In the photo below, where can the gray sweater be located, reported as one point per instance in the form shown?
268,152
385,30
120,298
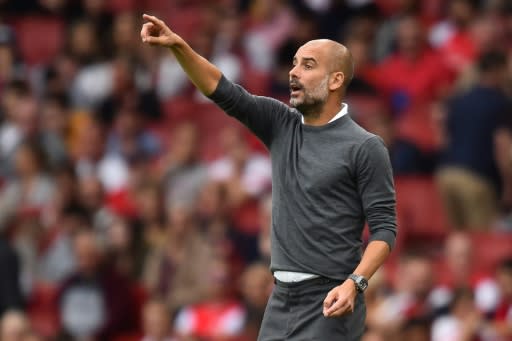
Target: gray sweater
326,181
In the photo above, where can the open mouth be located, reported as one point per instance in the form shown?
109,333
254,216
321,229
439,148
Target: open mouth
295,89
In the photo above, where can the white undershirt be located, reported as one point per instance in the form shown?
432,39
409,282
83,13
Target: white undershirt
292,276
342,112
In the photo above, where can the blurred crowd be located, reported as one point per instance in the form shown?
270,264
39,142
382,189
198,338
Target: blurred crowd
131,208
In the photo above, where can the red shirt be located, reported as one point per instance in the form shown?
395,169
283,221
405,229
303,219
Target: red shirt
405,81
459,52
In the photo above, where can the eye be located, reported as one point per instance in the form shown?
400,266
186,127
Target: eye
308,67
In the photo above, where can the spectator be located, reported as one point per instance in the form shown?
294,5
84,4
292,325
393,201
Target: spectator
407,78
129,139
410,302
460,14
501,326
463,321
416,329
244,175
183,173
95,302
127,95
385,40
54,130
14,326
469,178
91,197
256,286
10,289
176,271
150,215
270,23
372,336
124,249
218,315
93,81
20,122
458,270
10,66
91,160
156,322
265,216
32,188
125,31
55,257
406,157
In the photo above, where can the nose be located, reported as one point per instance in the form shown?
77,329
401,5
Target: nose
294,72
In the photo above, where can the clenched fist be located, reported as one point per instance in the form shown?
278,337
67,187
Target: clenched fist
155,32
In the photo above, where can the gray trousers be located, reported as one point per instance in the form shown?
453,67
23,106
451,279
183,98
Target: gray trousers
294,313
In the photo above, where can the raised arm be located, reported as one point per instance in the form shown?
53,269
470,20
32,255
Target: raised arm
201,72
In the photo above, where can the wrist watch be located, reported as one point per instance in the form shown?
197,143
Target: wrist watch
360,281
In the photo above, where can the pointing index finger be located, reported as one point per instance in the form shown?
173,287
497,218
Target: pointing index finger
152,19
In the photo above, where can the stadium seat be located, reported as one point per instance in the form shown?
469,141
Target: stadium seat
490,248
419,128
419,209
255,82
34,50
117,6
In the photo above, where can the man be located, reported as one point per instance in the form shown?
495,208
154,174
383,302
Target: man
475,166
328,175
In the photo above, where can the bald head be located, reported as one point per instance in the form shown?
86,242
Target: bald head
322,70
337,56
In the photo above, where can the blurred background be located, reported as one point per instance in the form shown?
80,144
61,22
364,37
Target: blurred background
131,208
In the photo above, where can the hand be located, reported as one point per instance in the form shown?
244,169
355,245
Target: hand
156,32
340,300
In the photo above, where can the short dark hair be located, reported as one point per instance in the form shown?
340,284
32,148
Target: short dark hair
59,99
506,265
491,61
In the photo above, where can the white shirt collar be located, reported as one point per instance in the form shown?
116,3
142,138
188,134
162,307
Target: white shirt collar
341,113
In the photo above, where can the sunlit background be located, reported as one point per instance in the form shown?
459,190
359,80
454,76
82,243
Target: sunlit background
131,208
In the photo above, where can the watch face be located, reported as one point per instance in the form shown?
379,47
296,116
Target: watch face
363,284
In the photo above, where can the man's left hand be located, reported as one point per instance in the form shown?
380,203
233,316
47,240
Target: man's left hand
340,300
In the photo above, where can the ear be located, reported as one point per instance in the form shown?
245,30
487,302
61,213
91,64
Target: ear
336,81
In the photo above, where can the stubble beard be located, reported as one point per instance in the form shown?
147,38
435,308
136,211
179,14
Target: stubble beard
313,101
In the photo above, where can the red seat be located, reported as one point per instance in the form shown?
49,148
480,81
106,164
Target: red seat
42,309
118,6
39,38
186,21
256,82
489,249
419,128
419,209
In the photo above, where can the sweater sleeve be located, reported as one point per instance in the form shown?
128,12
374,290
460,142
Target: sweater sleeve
262,115
376,189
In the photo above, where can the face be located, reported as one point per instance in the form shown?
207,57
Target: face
26,161
86,253
309,79
505,281
13,327
156,320
458,255
416,276
410,36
